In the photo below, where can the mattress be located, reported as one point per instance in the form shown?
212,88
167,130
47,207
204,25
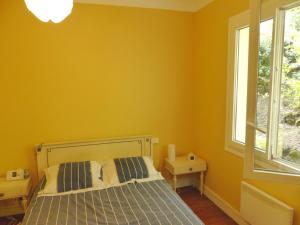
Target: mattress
151,202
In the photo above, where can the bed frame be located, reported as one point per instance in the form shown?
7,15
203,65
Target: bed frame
97,150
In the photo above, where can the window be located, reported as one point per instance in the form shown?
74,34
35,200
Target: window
280,86
263,89
285,113
238,82
241,84
276,123
240,87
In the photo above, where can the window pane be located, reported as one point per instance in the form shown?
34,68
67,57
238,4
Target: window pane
267,162
241,85
288,142
263,85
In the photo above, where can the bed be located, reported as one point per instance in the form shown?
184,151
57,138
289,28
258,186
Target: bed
147,200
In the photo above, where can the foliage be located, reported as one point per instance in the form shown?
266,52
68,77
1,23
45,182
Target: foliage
290,80
264,72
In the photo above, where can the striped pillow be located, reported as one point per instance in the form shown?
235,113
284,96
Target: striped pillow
72,177
122,170
131,168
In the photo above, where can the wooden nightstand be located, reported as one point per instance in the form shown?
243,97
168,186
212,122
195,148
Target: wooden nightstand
182,166
12,192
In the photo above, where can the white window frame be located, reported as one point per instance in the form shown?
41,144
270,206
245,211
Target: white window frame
237,23
249,168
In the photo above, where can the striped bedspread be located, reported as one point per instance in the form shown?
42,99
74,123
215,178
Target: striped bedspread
150,202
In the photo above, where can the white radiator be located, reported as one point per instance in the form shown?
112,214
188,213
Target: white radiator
260,208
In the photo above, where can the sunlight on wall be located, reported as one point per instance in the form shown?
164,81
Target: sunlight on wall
225,170
89,78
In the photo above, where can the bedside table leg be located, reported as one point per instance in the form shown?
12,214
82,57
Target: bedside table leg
24,203
201,182
174,182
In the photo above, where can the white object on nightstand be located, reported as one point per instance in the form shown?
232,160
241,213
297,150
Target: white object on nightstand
15,190
171,152
182,166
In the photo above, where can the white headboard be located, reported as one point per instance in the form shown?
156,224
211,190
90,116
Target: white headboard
97,150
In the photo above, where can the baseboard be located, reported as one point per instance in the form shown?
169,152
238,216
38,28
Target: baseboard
224,206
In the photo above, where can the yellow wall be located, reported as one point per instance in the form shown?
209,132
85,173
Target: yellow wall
104,72
225,170
116,71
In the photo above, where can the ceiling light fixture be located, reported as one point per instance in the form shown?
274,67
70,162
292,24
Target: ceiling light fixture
50,10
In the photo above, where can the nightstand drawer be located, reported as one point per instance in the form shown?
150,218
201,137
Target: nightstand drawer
183,166
188,169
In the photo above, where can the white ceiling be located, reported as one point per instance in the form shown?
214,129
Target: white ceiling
176,5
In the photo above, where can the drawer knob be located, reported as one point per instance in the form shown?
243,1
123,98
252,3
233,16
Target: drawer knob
1,195
191,169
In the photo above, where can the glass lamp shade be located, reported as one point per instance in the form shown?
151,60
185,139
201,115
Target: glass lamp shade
50,10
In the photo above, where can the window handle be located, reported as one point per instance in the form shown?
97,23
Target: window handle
256,128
